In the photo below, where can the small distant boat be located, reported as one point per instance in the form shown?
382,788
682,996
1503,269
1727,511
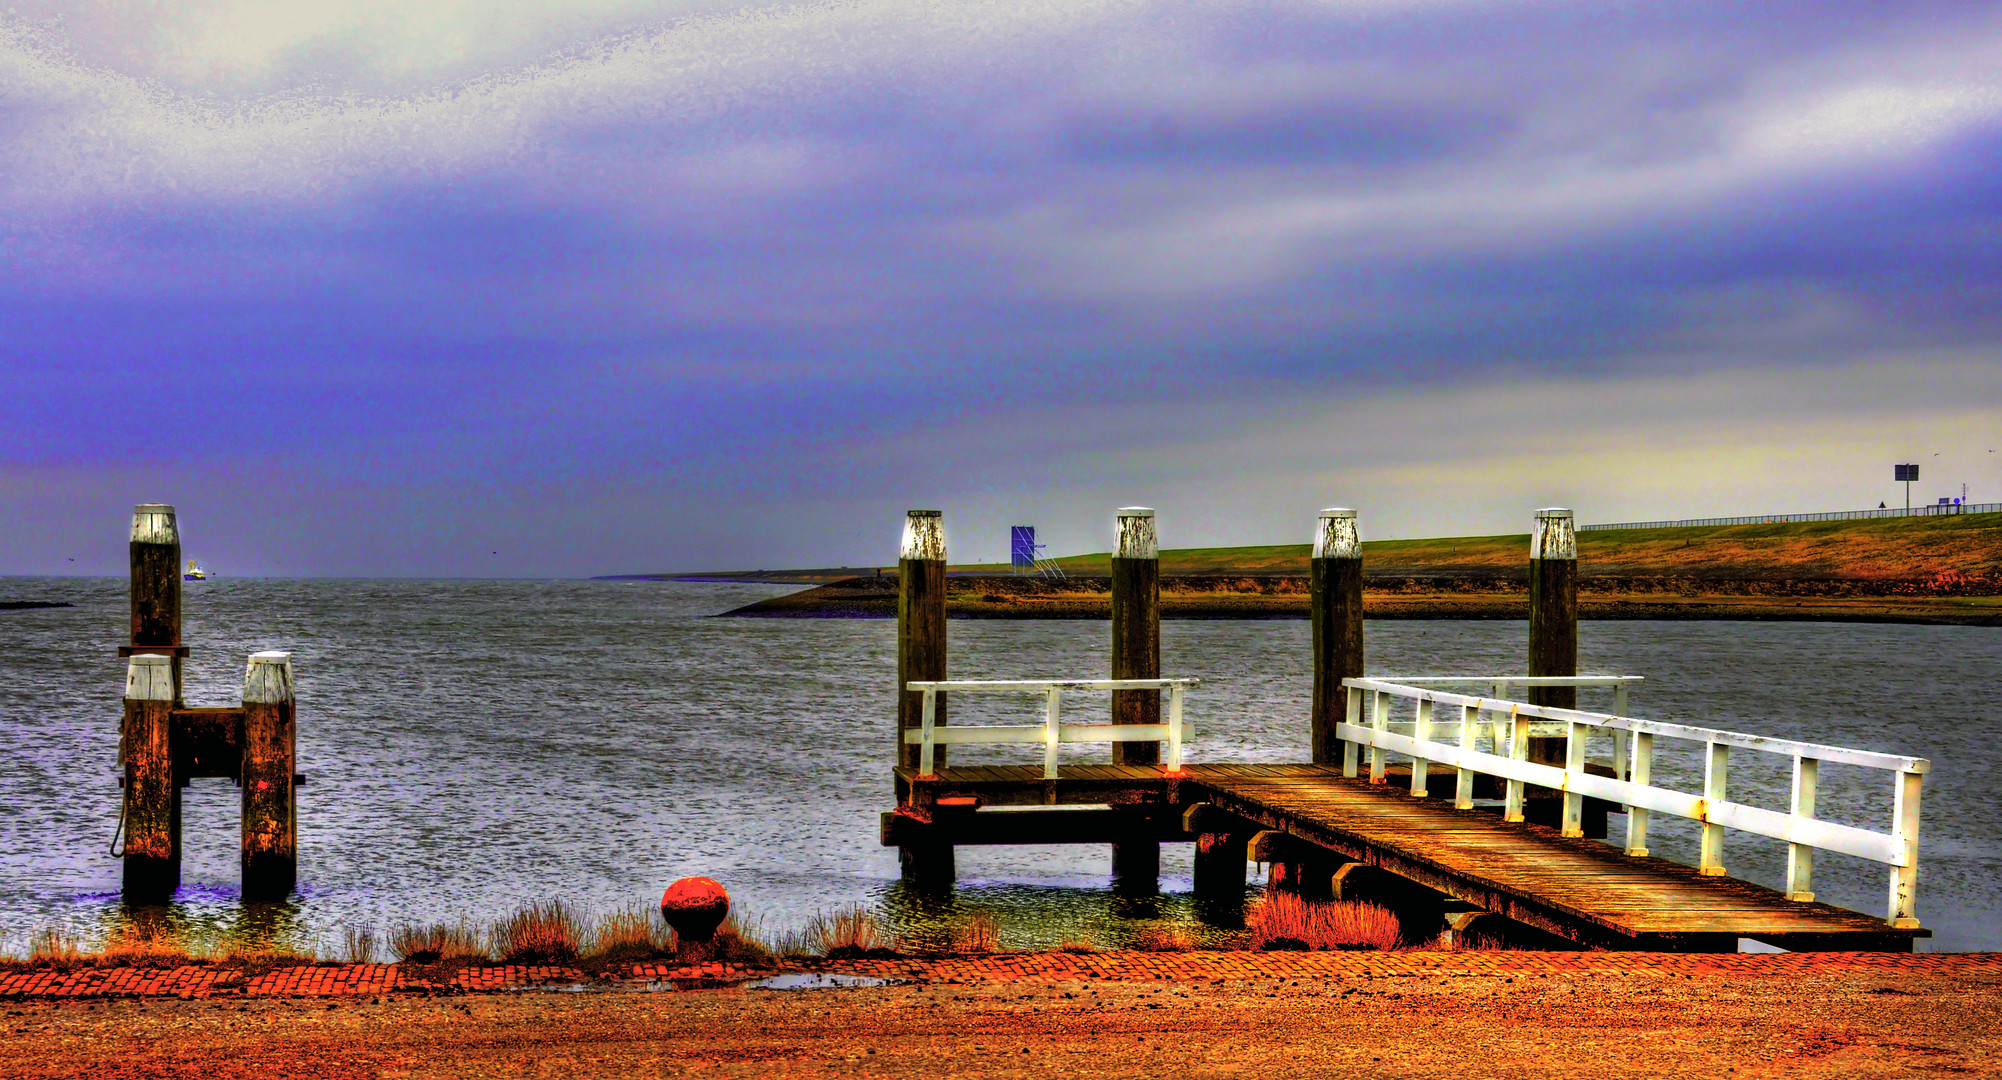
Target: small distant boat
195,572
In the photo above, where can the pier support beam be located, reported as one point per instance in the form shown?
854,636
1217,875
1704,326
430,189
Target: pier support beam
1304,869
1335,605
1553,619
270,807
152,797
920,626
1221,862
1136,654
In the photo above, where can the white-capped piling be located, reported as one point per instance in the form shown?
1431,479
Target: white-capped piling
1553,619
152,868
1335,599
270,817
1136,654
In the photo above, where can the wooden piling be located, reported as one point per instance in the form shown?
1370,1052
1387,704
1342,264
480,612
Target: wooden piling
270,817
1136,630
156,583
1136,654
152,868
1553,619
1335,605
920,626
155,562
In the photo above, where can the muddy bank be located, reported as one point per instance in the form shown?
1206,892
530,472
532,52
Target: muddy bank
1390,595
1489,1017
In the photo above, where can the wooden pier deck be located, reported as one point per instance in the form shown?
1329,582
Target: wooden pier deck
1580,889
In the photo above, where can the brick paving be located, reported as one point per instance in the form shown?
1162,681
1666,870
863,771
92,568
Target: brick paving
358,980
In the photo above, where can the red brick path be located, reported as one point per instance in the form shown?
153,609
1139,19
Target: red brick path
321,980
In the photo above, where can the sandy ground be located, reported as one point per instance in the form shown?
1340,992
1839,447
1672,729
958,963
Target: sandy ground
1496,1024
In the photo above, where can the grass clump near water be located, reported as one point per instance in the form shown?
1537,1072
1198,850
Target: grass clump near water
548,933
849,932
437,943
1279,920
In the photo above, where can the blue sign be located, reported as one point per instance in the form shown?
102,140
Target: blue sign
1022,545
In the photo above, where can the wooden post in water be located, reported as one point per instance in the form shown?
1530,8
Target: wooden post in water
920,626
270,805
1136,654
921,657
1553,619
155,557
152,829
1335,589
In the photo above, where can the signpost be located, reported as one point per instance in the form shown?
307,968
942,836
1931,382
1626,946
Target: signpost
1905,474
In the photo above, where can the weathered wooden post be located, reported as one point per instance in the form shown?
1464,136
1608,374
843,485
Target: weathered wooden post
1136,654
920,625
1553,619
270,819
1335,595
921,657
152,797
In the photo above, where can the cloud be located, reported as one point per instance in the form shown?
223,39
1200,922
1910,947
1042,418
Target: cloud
752,248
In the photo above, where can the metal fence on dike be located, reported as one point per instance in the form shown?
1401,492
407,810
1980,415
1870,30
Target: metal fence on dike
1927,510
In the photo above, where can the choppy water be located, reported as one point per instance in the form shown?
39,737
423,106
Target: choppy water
475,745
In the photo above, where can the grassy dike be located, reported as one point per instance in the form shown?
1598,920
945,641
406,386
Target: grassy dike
1920,570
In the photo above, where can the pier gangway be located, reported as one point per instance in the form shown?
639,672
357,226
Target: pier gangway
1440,796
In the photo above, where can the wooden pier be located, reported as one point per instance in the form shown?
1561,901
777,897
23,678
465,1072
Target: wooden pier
1481,813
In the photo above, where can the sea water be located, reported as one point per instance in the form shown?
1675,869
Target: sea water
471,746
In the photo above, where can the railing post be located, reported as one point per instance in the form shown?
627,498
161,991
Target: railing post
927,748
1800,857
1620,735
1716,761
1175,729
1463,782
1136,630
1421,731
1904,913
1640,772
1334,577
1553,619
1136,654
270,805
1052,731
1518,749
1351,752
1379,719
152,868
920,624
1574,767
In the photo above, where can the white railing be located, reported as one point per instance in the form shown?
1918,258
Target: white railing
1052,731
1803,832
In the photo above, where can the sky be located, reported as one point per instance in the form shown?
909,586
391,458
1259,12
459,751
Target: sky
532,288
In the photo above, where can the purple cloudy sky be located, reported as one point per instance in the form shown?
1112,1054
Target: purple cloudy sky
379,288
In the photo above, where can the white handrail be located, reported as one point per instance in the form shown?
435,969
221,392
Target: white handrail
1631,784
1052,731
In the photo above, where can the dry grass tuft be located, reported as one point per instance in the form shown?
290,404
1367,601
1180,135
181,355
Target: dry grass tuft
631,934
145,944
850,931
357,946
1280,920
1074,945
735,944
1163,939
980,935
539,934
53,946
435,944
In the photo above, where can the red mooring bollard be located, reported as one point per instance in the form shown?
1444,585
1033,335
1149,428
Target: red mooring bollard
695,907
